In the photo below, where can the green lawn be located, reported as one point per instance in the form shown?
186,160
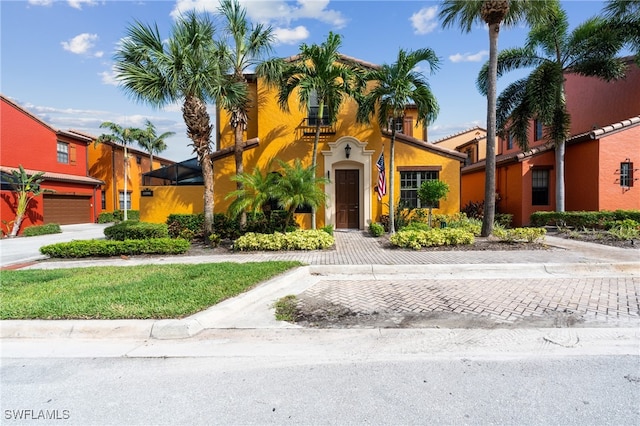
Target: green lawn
140,292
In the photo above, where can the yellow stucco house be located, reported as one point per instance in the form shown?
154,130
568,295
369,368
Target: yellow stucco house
347,156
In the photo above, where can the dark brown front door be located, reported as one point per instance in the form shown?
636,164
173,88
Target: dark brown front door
347,198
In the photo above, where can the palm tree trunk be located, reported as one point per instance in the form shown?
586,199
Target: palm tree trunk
560,150
392,154
490,165
151,161
314,160
126,163
238,151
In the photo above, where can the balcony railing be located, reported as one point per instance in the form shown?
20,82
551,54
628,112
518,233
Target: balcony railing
309,126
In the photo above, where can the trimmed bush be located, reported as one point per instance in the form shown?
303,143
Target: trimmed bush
187,226
132,230
106,217
529,235
583,219
105,248
417,239
376,229
296,240
50,228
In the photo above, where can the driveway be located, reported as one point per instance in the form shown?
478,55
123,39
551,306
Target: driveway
22,250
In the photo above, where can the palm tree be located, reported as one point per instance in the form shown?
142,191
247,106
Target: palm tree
153,143
185,68
396,87
248,45
298,186
256,191
624,15
122,136
494,13
589,50
317,71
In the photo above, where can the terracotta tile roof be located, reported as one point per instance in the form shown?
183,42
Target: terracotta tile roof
606,130
427,146
60,177
462,132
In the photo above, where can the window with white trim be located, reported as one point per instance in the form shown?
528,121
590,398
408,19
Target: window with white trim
410,182
626,174
63,153
121,199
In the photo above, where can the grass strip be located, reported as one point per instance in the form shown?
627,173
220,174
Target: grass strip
128,292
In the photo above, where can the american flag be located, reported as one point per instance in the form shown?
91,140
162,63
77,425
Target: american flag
382,181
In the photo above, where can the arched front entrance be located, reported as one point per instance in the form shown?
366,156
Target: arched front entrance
349,190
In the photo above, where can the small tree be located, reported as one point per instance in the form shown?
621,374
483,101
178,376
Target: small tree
431,192
26,189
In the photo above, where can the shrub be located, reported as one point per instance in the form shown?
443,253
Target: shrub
102,248
503,219
50,228
529,235
106,217
187,226
583,219
376,229
416,238
132,230
133,215
328,229
296,240
627,229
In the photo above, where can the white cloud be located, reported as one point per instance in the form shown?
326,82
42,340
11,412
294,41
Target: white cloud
82,44
275,12
41,2
425,20
290,35
469,57
109,77
77,4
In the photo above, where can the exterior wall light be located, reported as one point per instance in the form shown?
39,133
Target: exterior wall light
347,150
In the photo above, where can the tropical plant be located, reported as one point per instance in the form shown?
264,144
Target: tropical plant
121,136
431,192
396,87
26,187
589,50
624,16
298,186
186,68
247,46
152,142
317,71
255,192
494,13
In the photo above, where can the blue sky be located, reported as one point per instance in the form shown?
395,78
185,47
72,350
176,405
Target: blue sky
56,56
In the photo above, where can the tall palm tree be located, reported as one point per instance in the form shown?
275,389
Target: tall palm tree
298,186
152,142
122,136
493,13
589,50
185,68
624,15
248,45
317,71
396,87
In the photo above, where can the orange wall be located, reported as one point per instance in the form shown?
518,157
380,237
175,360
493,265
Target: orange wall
581,176
615,149
594,103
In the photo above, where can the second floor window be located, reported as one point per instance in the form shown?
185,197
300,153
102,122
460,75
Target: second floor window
509,141
63,152
314,111
537,131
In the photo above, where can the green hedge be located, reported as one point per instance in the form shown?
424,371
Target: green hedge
50,228
376,229
529,235
132,230
583,219
296,240
118,216
102,248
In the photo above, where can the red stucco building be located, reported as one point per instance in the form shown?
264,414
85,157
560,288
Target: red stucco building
601,160
72,196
